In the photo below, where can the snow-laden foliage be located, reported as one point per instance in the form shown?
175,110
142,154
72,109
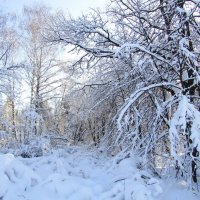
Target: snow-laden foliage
185,114
184,137
154,47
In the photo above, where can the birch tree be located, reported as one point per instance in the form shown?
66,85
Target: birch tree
42,67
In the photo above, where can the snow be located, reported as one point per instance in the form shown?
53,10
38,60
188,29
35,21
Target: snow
186,112
15,176
133,98
79,174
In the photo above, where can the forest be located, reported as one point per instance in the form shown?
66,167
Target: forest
115,91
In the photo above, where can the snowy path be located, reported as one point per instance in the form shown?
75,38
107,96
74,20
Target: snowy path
79,175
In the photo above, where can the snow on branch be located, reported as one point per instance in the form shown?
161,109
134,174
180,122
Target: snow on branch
134,96
186,116
128,48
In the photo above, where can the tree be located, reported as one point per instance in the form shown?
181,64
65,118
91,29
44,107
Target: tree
8,43
157,44
8,67
42,73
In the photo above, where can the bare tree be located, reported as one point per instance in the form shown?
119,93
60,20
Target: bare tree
42,72
9,66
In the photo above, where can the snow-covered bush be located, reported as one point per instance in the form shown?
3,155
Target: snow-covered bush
34,147
30,147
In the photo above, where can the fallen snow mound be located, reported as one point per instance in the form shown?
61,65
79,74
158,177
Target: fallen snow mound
75,175
15,176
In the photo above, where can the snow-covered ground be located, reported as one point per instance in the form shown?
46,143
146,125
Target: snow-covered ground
77,174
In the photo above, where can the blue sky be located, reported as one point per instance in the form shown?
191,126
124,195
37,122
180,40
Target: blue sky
75,7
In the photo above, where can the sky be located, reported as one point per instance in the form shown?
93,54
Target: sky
74,7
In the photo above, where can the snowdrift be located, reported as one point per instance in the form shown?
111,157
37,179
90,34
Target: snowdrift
15,177
74,175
